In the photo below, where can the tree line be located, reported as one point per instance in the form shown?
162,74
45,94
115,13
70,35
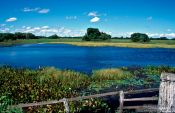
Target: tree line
93,34
19,35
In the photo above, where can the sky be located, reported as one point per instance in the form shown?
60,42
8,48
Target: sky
72,17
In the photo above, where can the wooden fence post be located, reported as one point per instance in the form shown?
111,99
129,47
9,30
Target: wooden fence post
166,102
121,102
66,105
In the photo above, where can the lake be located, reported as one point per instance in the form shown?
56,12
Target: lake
84,59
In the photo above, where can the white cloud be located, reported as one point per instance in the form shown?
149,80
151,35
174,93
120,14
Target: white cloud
169,35
157,35
71,17
36,28
23,27
47,31
94,14
2,25
11,19
30,9
5,30
149,18
38,10
95,19
169,30
44,11
45,27
28,27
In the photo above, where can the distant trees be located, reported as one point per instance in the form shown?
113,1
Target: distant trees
54,36
18,35
94,34
163,38
7,36
140,37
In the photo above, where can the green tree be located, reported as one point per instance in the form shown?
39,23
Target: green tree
163,38
8,36
95,34
30,36
139,37
54,37
19,35
105,36
1,37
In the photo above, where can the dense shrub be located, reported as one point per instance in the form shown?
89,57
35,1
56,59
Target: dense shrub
54,37
18,35
139,37
93,34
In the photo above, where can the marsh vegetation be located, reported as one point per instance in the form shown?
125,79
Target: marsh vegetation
49,83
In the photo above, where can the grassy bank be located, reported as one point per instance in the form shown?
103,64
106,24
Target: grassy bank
112,42
117,44
25,85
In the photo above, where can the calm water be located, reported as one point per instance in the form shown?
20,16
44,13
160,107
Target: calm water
83,59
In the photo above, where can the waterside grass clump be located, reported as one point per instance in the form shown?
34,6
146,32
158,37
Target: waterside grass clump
111,74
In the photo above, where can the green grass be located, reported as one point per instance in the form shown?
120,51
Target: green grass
112,42
111,74
33,41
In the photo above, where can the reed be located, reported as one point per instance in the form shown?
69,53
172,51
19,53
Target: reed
111,74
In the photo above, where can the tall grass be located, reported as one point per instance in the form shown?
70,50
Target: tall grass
111,74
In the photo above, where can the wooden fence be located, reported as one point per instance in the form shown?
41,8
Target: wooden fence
66,100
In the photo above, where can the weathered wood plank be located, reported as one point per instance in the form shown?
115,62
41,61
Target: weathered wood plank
141,99
93,96
121,102
37,104
66,105
142,91
167,93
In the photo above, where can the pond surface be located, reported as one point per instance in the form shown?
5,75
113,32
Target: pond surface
84,59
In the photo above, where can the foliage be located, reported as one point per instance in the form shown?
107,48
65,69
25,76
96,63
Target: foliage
18,35
94,34
54,36
27,86
92,106
139,37
5,104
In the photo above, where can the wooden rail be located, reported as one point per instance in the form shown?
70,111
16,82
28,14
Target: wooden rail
142,99
66,100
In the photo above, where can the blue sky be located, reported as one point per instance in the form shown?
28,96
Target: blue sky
73,17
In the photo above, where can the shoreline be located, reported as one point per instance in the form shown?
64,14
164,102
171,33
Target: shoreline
111,43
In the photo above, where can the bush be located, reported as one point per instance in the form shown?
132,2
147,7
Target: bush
94,34
139,37
54,37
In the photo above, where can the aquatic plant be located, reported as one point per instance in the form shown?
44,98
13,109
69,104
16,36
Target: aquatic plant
111,74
